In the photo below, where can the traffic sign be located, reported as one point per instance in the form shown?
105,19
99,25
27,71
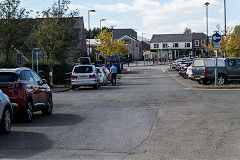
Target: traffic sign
19,59
37,53
217,45
216,37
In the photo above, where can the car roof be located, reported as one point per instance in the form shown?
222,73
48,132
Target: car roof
14,70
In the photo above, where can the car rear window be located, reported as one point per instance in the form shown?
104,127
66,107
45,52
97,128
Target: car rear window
198,63
8,77
83,69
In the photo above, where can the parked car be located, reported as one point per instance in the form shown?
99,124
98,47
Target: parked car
85,75
227,70
189,72
27,92
84,60
183,70
107,73
102,76
6,114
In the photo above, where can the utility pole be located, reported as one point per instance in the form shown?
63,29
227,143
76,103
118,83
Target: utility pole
59,8
225,18
207,4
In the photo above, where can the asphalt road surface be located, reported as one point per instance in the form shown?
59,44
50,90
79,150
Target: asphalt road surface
151,114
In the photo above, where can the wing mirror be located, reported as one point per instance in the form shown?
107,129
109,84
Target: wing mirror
44,81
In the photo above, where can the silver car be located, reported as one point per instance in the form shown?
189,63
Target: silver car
6,114
85,75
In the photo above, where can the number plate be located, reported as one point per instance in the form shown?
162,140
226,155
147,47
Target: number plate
182,69
83,76
197,78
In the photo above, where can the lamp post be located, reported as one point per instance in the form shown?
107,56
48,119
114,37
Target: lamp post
89,28
207,4
101,22
225,18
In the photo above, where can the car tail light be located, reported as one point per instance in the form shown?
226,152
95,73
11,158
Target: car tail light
73,77
14,85
205,71
92,76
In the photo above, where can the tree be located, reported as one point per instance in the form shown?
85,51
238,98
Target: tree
108,47
187,31
13,29
232,41
96,31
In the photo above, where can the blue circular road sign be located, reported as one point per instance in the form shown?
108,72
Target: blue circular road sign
216,37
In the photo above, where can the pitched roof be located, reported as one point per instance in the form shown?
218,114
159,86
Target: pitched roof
118,33
159,38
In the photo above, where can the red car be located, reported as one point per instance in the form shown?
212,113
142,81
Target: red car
27,92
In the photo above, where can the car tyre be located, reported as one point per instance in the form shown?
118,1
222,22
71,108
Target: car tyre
6,122
73,87
221,79
49,107
29,112
95,86
185,76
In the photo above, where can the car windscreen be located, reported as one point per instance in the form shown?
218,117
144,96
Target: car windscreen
8,77
83,69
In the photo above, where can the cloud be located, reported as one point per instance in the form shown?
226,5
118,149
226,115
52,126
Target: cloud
77,7
168,17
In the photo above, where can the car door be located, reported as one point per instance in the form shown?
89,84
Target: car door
32,87
233,69
42,90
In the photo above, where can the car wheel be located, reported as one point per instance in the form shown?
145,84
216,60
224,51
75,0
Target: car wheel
200,82
74,87
95,86
185,76
29,112
6,122
49,107
221,79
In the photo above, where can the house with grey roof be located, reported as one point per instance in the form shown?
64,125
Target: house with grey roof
131,41
179,45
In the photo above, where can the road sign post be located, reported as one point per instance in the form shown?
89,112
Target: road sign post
37,55
19,58
216,37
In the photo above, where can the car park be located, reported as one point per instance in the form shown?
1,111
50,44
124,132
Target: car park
227,70
27,92
85,75
6,114
102,76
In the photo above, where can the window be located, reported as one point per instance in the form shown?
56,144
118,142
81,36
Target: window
83,69
127,41
156,45
22,76
202,42
8,77
175,45
196,42
232,62
37,79
28,76
187,45
136,44
165,45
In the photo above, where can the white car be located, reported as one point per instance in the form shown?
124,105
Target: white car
189,72
102,76
85,75
6,114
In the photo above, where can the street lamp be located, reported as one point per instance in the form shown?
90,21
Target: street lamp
207,4
101,22
225,18
89,28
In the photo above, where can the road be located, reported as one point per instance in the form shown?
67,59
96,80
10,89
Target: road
151,114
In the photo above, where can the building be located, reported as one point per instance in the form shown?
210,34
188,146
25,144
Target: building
130,38
134,47
179,45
